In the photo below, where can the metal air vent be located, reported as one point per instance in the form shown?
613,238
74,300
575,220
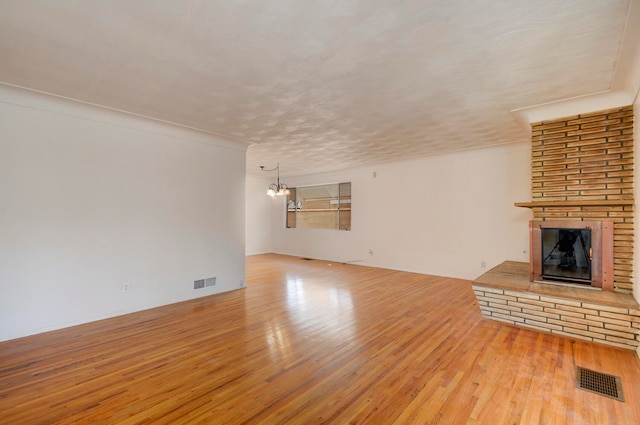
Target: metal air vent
204,283
599,383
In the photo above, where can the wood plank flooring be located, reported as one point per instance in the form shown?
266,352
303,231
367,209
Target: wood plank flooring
311,342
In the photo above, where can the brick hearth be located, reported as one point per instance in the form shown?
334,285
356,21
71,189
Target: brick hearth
505,294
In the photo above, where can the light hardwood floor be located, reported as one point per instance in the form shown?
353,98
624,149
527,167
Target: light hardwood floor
312,342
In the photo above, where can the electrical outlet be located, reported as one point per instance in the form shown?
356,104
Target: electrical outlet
371,252
483,264
126,287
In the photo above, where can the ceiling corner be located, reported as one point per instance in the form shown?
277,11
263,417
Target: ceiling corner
627,75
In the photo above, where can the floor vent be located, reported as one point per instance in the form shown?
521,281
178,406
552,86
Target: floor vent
599,383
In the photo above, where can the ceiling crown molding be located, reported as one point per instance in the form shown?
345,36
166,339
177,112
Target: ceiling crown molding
568,107
38,100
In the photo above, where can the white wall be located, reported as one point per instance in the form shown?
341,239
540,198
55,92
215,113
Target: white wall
441,215
258,221
91,199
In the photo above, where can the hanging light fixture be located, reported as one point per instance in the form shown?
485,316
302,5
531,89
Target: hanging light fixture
276,188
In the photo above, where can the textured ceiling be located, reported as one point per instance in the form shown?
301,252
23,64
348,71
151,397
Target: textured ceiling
319,85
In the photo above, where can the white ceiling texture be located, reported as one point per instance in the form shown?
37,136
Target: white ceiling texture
320,85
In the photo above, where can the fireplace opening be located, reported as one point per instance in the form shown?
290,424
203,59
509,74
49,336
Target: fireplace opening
566,255
572,252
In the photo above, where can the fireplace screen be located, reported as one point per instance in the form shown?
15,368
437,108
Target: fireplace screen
566,255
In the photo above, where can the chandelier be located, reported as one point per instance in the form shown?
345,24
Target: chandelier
276,188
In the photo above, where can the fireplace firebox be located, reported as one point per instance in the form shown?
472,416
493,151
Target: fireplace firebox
566,255
572,252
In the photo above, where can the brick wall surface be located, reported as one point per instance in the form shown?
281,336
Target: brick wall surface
612,325
583,157
588,157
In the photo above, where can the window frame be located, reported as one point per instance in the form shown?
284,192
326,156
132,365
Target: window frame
295,213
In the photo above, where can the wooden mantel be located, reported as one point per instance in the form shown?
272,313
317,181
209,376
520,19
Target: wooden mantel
608,202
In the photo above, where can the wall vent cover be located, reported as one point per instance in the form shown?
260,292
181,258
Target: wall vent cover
599,383
203,283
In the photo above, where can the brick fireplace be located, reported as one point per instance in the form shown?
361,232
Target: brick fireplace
581,175
582,169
